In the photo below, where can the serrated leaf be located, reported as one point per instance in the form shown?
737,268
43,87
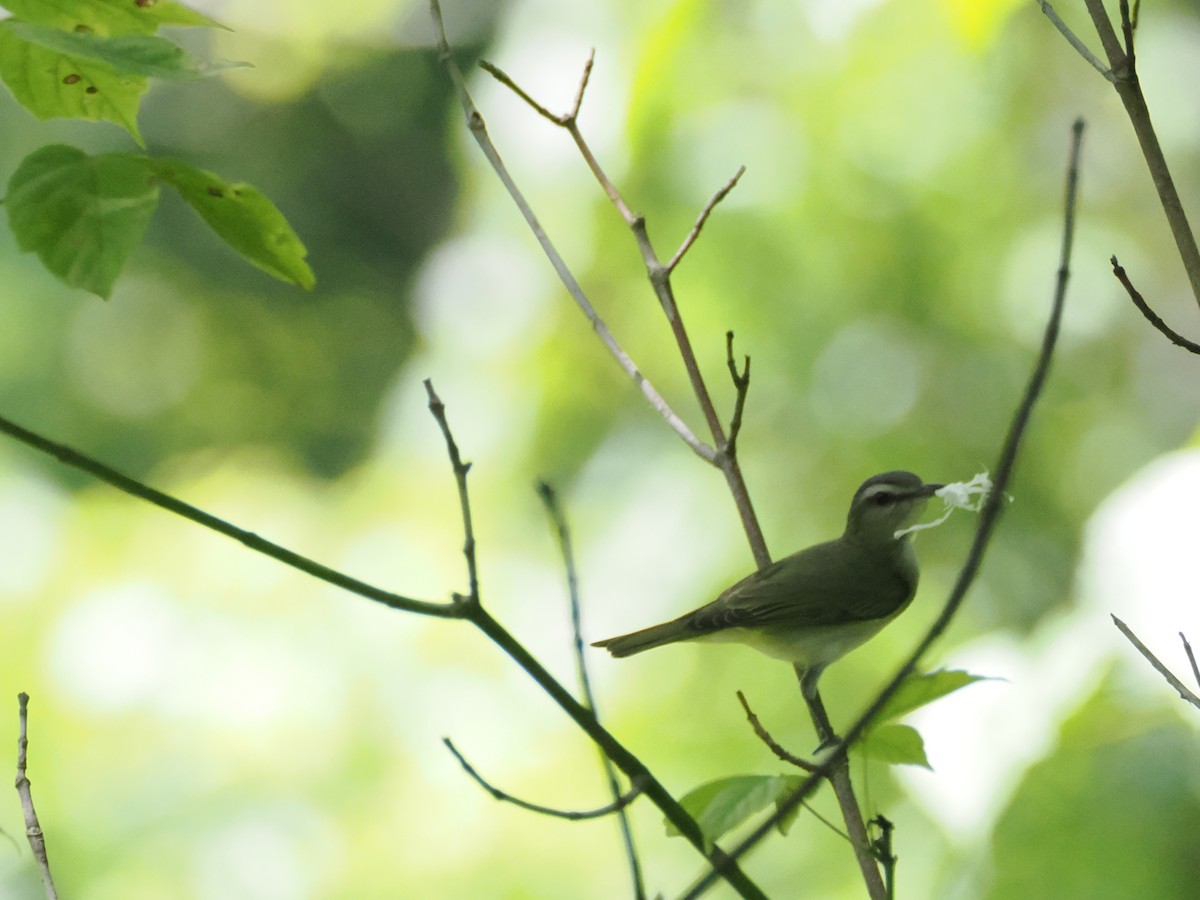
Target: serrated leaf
920,690
82,215
722,805
135,54
51,85
244,218
896,745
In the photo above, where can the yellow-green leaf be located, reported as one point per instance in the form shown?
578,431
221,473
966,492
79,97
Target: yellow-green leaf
82,215
244,218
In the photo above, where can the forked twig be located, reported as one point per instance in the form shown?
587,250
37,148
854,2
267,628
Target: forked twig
741,386
1074,40
988,518
659,275
479,131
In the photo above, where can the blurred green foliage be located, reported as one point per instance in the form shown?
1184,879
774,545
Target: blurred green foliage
206,725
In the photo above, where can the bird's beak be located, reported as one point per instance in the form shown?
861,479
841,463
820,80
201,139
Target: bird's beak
928,490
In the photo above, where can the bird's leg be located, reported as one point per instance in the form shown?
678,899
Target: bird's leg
808,676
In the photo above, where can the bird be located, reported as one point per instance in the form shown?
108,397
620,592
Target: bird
813,607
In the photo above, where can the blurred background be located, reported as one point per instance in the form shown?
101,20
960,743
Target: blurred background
206,723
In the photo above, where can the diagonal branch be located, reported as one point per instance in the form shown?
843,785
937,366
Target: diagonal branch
1151,316
659,276
703,217
585,718
988,518
479,131
617,806
1187,648
131,486
1184,692
1122,73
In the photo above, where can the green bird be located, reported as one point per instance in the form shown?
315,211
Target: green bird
813,607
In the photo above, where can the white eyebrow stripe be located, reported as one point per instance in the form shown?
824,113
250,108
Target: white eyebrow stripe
879,489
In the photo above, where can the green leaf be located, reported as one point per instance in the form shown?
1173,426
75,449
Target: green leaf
82,215
896,745
722,805
136,54
244,218
51,84
107,17
920,690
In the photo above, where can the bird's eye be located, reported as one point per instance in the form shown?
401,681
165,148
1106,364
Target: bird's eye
882,499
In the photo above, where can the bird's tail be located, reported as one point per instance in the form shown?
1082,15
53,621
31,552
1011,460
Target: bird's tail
646,639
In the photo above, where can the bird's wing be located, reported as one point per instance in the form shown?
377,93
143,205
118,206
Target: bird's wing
798,590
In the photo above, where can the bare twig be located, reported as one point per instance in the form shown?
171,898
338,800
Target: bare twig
988,518
659,276
1151,316
1184,692
1074,41
1122,73
460,476
571,815
479,131
550,500
121,482
703,217
585,718
1187,648
741,386
33,828
765,736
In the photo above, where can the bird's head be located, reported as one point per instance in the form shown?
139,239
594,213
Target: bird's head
886,503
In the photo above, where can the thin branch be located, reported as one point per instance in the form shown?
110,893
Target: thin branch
843,789
765,736
703,217
659,276
633,767
1184,692
1151,316
741,386
33,828
479,131
121,482
988,518
1074,41
464,499
585,718
1122,73
571,815
1187,648
554,510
